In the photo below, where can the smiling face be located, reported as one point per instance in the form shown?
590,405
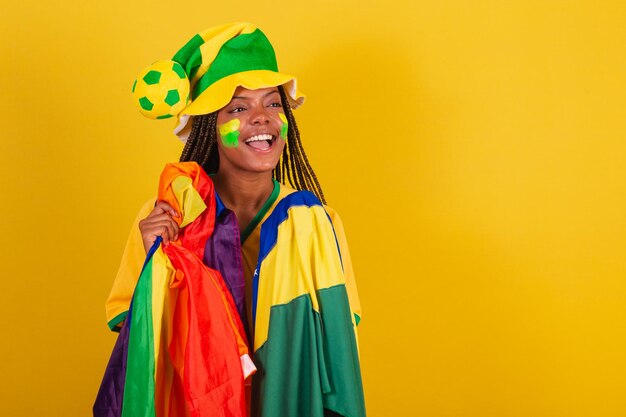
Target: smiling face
251,131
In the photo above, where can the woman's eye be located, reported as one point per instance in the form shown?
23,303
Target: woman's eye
237,110
277,104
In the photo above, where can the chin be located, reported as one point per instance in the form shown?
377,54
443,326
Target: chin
262,168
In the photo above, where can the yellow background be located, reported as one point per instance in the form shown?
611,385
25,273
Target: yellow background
475,150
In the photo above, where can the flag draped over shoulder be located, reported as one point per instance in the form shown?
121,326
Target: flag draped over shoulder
305,341
182,350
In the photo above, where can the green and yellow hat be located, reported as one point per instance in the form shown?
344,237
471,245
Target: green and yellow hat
203,75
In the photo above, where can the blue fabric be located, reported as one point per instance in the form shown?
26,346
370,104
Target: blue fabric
269,232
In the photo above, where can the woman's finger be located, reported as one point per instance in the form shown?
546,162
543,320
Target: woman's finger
158,228
164,233
169,224
162,207
159,223
156,219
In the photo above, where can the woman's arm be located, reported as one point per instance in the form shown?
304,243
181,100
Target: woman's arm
151,221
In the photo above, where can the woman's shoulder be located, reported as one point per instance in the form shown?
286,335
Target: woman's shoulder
284,190
307,196
299,195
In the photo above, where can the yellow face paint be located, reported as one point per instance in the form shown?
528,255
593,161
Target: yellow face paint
229,132
285,127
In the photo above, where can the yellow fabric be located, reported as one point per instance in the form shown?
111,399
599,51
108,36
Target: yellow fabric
220,92
162,273
134,257
319,272
250,250
157,92
130,267
189,200
348,271
214,38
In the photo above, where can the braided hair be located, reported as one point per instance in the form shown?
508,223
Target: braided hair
293,165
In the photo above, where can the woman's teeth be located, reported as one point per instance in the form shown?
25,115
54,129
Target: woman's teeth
258,138
260,141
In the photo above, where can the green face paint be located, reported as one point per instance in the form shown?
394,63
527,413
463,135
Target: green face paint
229,132
285,127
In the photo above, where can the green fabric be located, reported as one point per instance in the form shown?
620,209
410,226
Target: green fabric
247,52
193,65
259,216
139,385
189,55
179,70
117,320
310,362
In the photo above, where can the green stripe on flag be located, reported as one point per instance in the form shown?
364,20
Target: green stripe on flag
139,385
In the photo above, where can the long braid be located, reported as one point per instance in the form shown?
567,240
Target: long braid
293,166
201,146
286,167
201,153
304,177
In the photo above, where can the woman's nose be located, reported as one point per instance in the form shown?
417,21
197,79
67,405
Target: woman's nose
260,117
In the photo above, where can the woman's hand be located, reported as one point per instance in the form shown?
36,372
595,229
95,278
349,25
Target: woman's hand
159,222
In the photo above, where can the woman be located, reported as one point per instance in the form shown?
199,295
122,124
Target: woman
288,250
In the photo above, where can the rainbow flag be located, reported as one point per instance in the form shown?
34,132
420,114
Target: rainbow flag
182,350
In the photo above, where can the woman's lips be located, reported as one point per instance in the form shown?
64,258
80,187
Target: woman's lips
260,142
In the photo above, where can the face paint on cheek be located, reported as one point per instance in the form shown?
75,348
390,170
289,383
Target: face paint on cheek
229,132
285,127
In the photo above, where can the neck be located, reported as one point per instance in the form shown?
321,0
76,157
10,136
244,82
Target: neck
244,191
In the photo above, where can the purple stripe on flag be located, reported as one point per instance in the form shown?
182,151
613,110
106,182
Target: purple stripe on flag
223,253
111,393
